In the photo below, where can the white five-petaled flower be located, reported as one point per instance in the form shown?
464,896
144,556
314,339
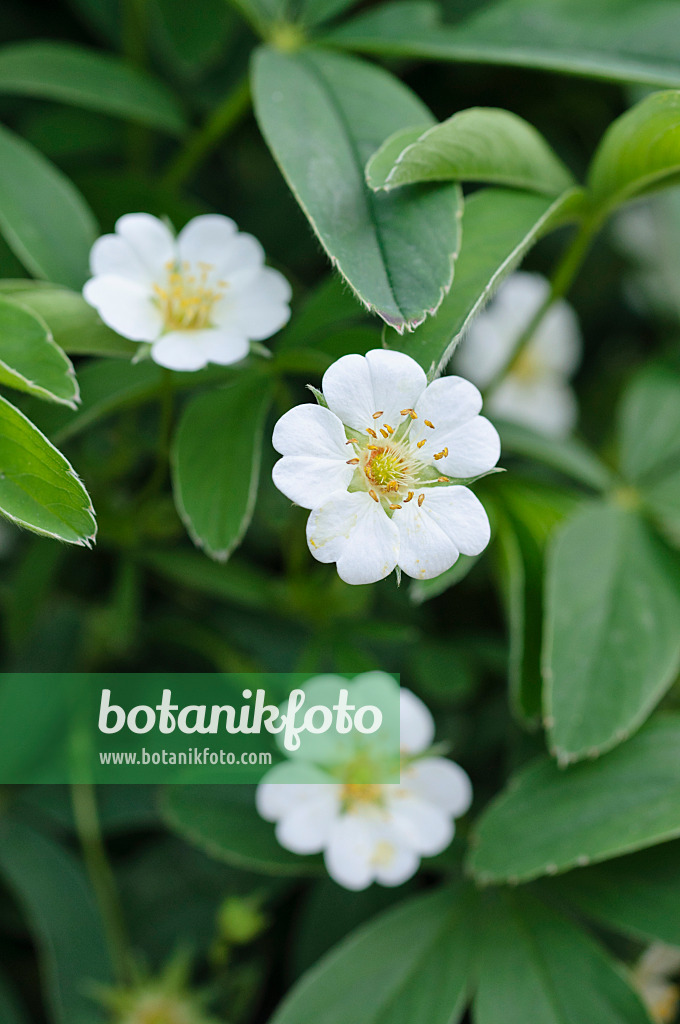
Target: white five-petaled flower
381,466
371,832
535,391
199,298
651,975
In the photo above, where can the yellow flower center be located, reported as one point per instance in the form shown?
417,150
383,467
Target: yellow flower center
386,465
186,298
360,793
526,367
160,1009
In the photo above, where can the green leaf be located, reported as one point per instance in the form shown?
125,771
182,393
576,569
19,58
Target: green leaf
424,590
483,144
216,462
568,456
29,358
639,152
88,78
549,819
322,116
315,12
75,326
10,1010
536,965
62,913
612,645
44,219
196,32
222,821
499,227
638,895
38,487
411,965
241,584
614,40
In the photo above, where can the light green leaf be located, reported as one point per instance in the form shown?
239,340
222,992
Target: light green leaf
482,144
612,645
615,40
536,965
63,916
499,227
38,487
88,78
216,462
549,819
322,116
76,327
638,895
411,965
29,358
44,219
639,152
222,821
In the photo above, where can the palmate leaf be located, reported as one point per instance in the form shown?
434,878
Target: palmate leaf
483,144
39,489
612,640
614,40
549,820
322,116
30,360
499,227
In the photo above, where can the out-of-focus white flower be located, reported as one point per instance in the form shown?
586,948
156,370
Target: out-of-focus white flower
199,298
651,977
371,832
535,391
381,468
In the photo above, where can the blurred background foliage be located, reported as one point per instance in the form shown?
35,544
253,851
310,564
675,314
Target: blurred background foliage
146,600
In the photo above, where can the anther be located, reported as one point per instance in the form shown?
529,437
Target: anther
373,448
352,462
369,430
409,412
395,506
410,497
377,415
384,432
352,440
421,499
442,479
420,443
388,428
374,496
392,486
440,455
428,424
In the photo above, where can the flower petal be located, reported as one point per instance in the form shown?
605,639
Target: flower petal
151,240
179,350
547,405
111,254
557,343
356,387
229,255
356,532
439,782
349,852
315,466
125,306
394,864
422,827
306,826
451,520
473,448
416,723
452,405
258,310
220,346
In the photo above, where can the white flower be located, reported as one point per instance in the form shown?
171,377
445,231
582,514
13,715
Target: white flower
371,832
380,468
199,298
650,977
535,391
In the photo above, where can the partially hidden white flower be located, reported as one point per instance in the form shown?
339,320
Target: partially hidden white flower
371,832
381,466
651,977
535,391
197,298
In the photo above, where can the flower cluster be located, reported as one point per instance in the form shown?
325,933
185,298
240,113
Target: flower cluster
196,299
651,977
535,390
380,465
371,832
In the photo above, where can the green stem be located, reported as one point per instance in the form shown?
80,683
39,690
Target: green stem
221,121
84,800
167,403
561,281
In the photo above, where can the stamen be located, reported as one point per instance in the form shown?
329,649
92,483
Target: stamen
442,454
409,412
421,499
352,440
410,497
384,432
373,448
442,479
374,496
392,486
377,415
420,443
372,432
388,428
428,424
353,462
395,506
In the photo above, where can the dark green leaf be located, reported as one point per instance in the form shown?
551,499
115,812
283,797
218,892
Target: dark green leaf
87,78
38,487
483,144
44,219
568,456
322,116
612,644
29,358
216,462
10,1010
549,819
